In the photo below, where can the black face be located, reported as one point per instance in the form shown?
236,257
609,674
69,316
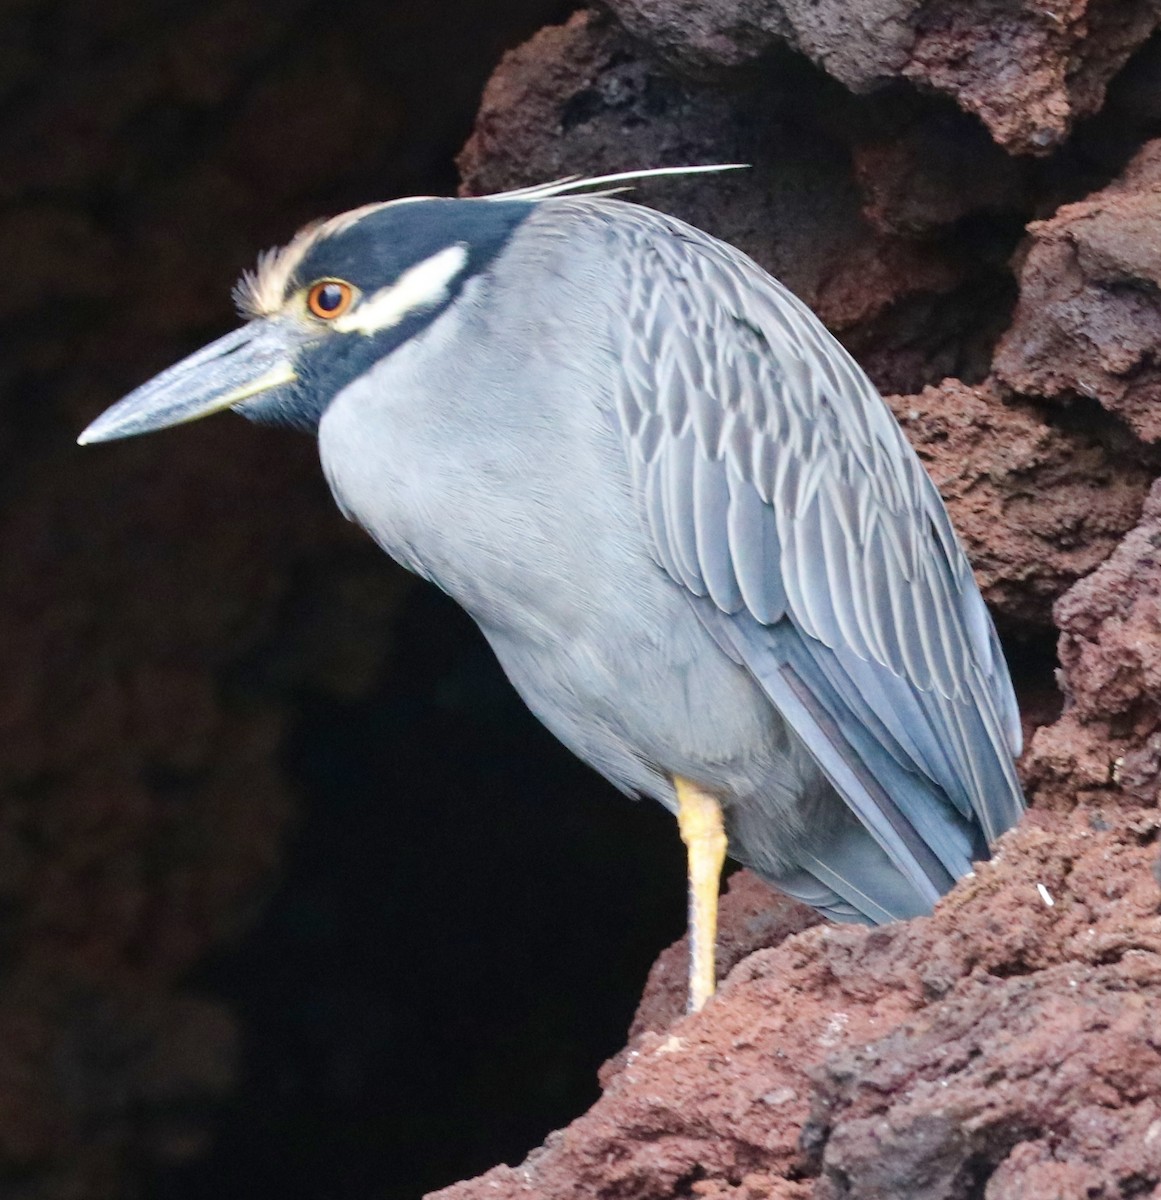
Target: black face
347,270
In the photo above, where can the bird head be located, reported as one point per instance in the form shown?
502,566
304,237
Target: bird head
320,311
343,294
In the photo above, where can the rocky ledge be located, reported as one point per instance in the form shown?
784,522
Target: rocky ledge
970,196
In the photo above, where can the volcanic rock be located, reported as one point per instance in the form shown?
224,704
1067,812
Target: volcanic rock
1006,1046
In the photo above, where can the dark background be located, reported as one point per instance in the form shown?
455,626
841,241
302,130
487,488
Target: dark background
458,938
298,899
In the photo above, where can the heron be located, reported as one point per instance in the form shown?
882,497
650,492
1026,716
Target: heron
689,527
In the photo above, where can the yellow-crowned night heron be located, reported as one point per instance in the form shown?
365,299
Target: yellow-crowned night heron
682,516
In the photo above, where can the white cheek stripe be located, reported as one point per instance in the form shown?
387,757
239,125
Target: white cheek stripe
422,286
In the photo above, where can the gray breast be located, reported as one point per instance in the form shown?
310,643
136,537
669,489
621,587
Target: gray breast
478,453
482,456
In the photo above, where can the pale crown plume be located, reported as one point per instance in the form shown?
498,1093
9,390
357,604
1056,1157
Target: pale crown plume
262,292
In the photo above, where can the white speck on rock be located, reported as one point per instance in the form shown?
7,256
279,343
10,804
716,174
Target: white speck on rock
834,1028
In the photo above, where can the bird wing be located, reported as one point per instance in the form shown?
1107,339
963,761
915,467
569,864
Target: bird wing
780,492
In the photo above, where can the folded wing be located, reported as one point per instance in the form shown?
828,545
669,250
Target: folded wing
781,494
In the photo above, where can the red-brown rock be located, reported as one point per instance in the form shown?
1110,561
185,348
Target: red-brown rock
1027,70
1110,736
1088,323
768,1080
753,917
1006,1046
1036,506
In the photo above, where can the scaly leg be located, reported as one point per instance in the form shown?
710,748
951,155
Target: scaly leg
699,817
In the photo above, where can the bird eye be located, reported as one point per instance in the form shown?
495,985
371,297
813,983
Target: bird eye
329,298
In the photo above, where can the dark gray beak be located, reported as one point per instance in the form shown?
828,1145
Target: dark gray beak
254,359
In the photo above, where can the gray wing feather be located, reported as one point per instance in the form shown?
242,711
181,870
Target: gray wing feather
752,542
777,484
655,478
711,514
678,504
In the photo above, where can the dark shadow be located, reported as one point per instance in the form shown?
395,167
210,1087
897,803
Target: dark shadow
458,940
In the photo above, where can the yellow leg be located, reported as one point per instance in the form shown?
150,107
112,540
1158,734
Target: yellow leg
699,817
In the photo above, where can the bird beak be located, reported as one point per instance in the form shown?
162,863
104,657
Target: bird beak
254,359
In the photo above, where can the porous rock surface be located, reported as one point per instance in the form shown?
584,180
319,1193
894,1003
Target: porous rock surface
1007,1047
1027,69
1087,323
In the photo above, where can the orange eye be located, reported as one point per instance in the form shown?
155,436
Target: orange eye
330,298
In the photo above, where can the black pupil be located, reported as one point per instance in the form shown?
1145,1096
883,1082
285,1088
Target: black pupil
330,297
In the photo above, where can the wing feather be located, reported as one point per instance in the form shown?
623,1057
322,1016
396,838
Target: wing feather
678,505
711,504
752,539
655,511
785,496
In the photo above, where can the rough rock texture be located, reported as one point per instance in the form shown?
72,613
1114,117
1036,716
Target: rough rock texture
753,917
1006,1047
1027,69
1108,742
1088,323
1036,508
1002,1038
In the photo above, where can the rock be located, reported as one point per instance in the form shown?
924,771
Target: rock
861,45
785,1073
1027,70
895,283
1109,738
1036,506
1006,1045
1088,322
1060,1064
753,917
